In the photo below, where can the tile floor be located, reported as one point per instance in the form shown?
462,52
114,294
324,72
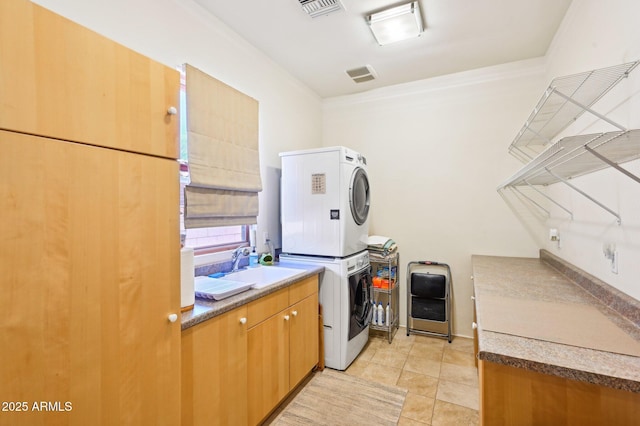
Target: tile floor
441,377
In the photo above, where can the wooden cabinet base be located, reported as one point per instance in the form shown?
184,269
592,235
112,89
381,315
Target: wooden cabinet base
513,396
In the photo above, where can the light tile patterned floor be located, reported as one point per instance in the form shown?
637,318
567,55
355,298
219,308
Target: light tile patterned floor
441,377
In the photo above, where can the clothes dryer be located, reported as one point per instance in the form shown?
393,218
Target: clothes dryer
325,199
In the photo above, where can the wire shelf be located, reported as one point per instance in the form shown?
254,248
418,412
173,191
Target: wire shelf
566,99
571,157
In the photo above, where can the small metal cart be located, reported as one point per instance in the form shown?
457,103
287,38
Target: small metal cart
385,269
429,299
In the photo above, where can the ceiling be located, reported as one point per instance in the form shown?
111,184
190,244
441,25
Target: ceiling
459,35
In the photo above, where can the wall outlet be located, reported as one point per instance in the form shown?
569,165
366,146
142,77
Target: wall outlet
554,235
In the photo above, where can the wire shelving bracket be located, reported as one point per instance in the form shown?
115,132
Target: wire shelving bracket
566,99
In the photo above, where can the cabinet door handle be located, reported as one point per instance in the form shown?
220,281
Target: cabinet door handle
474,325
286,317
172,110
294,313
172,318
243,320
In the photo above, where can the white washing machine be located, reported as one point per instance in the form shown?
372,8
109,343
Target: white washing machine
345,296
324,202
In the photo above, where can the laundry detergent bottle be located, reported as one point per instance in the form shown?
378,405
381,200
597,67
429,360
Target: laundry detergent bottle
374,311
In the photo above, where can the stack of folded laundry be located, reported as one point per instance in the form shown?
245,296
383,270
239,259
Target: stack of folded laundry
379,246
383,250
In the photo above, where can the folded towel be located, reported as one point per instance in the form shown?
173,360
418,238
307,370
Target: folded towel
377,240
380,244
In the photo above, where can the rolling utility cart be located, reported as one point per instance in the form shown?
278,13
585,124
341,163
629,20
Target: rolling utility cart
429,299
386,289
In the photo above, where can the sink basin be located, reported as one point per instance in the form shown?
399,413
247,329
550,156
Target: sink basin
264,276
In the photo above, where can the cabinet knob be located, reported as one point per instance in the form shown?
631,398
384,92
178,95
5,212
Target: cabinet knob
243,320
294,313
286,317
172,110
474,325
173,317
473,298
472,277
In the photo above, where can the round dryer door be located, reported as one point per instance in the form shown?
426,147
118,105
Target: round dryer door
359,196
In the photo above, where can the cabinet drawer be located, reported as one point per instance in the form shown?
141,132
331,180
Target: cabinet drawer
261,309
303,289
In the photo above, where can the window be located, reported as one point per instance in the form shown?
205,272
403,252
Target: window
203,240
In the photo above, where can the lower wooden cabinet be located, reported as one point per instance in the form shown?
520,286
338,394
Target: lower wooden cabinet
283,349
515,396
303,339
237,367
214,371
268,368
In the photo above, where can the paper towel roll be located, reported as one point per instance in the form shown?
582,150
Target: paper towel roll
187,291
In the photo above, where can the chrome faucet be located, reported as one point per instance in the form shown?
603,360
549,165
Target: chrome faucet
237,255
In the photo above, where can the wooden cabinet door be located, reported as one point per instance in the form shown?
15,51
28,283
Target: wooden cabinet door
303,339
89,247
268,365
214,371
61,80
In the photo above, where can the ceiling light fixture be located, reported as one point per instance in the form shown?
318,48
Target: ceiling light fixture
396,23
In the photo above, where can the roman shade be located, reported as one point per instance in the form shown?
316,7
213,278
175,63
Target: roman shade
224,165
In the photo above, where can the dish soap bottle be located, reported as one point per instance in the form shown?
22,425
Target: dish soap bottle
253,258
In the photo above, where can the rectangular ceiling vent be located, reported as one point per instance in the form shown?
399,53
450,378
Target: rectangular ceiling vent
362,74
315,8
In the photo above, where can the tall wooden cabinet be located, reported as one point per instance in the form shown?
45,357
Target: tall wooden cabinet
89,234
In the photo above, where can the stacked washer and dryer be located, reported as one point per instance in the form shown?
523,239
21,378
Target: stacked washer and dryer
325,221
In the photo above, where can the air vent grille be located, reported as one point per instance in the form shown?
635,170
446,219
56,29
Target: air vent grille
315,8
362,74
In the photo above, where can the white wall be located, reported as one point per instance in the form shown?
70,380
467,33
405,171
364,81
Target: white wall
597,34
177,31
437,150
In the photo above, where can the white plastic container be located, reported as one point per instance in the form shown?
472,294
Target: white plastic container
387,319
380,314
374,318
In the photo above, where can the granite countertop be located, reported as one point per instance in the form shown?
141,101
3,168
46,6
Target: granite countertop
533,279
205,309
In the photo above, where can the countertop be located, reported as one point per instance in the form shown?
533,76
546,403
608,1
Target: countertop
205,309
533,279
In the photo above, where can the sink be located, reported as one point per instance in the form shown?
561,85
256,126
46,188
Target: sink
264,276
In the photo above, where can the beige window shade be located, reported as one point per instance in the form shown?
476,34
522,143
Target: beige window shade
224,164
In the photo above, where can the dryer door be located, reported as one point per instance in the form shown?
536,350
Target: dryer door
360,312
359,196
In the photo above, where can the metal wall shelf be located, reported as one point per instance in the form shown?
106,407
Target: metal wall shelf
563,102
566,99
